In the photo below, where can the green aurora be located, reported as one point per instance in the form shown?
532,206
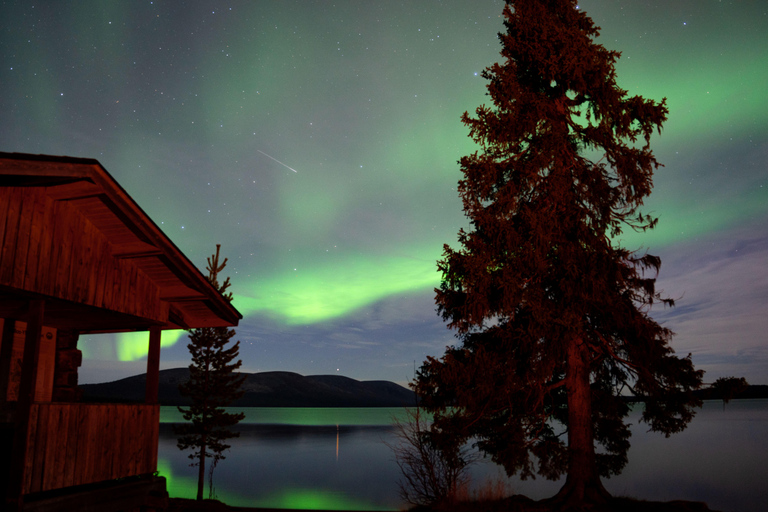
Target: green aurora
363,100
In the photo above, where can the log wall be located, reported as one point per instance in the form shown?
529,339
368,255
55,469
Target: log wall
49,247
75,444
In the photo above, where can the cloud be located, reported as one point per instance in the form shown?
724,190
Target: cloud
721,286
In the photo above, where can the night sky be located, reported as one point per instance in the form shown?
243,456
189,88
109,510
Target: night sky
317,142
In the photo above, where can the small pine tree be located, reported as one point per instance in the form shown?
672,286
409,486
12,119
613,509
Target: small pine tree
212,385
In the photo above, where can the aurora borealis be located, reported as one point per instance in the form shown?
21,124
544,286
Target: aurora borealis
318,143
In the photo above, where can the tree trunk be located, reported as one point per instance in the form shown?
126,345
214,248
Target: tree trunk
201,471
582,484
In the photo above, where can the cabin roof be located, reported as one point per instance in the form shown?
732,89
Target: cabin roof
190,300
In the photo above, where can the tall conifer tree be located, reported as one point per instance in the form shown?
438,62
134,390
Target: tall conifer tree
551,313
212,385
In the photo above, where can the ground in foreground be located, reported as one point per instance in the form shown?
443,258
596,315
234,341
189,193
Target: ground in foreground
512,504
521,503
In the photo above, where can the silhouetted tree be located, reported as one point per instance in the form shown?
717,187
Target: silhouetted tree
550,311
728,387
212,385
434,469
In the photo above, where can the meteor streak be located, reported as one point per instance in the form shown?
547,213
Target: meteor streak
276,160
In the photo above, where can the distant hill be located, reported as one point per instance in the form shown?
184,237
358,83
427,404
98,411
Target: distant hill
267,389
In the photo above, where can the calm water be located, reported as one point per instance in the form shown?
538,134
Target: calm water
337,459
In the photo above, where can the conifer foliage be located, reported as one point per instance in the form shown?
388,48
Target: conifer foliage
550,311
212,385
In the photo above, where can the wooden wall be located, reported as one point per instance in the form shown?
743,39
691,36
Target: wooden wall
46,362
74,444
48,247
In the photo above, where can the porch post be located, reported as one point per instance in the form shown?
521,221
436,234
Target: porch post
27,384
6,356
153,366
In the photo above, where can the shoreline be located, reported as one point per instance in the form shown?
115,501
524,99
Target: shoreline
515,503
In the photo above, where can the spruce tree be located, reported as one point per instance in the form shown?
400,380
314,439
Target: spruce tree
551,313
212,385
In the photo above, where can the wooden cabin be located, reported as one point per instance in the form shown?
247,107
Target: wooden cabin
78,256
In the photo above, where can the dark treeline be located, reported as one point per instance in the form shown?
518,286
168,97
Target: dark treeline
710,393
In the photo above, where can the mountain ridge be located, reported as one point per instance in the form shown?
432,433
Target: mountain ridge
264,389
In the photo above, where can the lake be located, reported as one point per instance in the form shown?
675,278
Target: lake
338,459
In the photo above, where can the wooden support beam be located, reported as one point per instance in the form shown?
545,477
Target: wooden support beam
17,473
30,363
153,366
6,356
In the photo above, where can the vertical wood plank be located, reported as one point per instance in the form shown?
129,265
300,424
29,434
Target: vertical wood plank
140,296
118,445
121,286
63,243
61,454
81,451
37,227
70,454
146,439
50,250
29,462
108,283
5,195
102,257
6,356
9,243
86,448
138,455
141,414
100,466
37,450
90,263
72,246
53,438
109,443
23,236
130,290
47,255
152,445
129,453
45,457
80,242
89,268
86,469
98,441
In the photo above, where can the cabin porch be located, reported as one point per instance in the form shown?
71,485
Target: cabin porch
66,455
79,256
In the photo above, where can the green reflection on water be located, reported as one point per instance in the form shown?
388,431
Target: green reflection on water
304,499
177,486
306,416
290,498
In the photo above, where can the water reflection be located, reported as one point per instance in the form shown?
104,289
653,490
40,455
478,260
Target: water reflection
342,463
293,466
